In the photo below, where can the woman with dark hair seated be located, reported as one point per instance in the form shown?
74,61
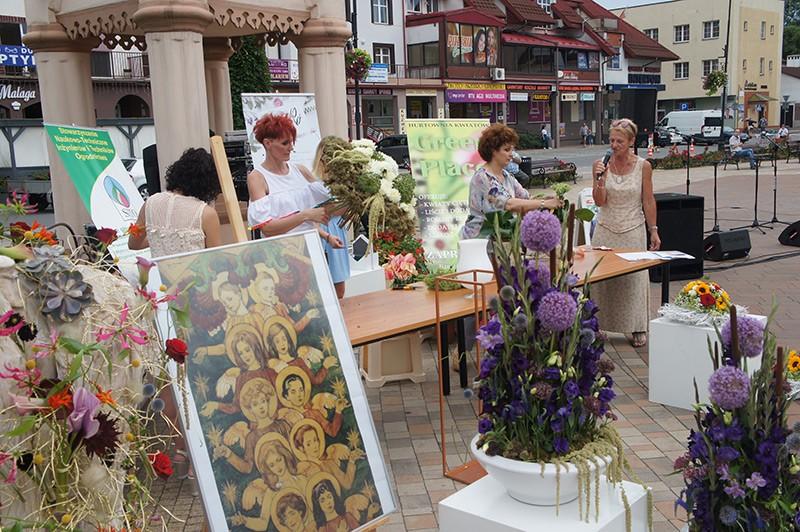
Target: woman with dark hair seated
492,188
182,218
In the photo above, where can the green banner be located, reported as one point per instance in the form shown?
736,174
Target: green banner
86,153
444,156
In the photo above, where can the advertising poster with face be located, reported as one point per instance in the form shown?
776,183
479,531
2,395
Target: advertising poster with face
285,440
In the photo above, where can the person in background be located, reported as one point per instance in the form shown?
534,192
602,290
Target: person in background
783,133
584,134
338,258
514,169
545,137
623,191
492,188
735,143
762,124
177,221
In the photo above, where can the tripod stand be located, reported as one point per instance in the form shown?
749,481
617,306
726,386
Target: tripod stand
716,228
756,224
775,149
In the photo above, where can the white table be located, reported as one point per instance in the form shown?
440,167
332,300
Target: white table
485,506
678,356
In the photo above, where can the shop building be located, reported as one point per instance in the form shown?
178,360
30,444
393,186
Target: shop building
696,31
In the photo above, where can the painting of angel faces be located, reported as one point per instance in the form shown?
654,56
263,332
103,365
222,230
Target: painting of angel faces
285,444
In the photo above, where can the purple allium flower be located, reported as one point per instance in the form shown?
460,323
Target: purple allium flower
557,311
751,335
484,425
571,389
793,443
727,454
540,231
728,515
729,388
606,395
560,445
83,418
734,491
507,293
520,322
755,481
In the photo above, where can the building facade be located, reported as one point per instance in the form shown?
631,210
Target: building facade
697,31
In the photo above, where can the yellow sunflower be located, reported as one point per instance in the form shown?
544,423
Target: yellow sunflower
721,305
794,362
702,288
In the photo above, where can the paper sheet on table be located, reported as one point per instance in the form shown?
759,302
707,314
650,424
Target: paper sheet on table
672,255
654,255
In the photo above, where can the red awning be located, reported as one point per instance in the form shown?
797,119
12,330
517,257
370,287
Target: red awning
566,42
467,15
517,38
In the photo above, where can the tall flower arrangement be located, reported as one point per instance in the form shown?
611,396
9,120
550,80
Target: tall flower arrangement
545,385
742,470
357,63
77,440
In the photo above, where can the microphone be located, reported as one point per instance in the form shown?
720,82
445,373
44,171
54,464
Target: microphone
606,158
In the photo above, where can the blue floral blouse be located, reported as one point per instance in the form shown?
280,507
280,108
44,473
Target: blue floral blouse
488,194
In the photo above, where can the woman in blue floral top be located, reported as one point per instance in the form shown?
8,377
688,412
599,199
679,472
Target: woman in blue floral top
492,188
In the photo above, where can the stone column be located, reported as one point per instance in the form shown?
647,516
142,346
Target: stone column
65,83
321,56
174,35
216,52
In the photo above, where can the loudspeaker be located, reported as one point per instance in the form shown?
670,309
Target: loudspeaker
151,173
680,226
726,246
791,235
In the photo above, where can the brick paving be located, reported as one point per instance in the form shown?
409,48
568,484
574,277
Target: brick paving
407,415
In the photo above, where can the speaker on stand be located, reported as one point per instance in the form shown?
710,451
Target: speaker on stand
680,226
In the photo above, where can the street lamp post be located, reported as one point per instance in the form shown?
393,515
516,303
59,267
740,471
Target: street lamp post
354,24
725,69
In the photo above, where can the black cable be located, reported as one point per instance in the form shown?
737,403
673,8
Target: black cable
758,260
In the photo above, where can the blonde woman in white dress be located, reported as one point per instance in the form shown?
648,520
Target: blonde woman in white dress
623,191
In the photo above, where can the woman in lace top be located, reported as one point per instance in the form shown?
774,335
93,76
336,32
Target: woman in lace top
623,191
182,218
492,188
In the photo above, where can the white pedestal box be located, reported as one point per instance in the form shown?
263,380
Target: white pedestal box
392,360
485,506
678,357
365,276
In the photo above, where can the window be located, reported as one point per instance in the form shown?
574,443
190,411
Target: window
682,33
770,65
652,33
422,6
682,70
763,29
711,29
613,62
772,29
545,4
381,11
744,64
710,65
761,66
383,54
424,54
745,26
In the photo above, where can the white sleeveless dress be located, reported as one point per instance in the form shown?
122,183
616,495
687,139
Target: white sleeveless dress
287,194
624,302
174,224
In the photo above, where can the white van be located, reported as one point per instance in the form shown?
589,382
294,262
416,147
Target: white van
697,124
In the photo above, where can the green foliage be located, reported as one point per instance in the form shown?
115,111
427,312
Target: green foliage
530,141
791,13
678,160
369,182
791,39
405,186
249,72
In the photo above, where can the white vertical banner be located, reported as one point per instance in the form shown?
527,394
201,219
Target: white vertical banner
301,108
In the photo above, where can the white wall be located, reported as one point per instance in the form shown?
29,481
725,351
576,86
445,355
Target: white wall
12,8
612,75
790,85
426,33
369,33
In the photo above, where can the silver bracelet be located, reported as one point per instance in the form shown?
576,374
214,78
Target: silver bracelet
653,228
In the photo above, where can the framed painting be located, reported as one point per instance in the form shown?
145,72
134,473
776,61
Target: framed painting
279,429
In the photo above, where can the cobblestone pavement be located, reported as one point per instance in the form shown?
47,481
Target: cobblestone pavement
407,415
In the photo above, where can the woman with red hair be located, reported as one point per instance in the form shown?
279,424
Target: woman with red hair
284,196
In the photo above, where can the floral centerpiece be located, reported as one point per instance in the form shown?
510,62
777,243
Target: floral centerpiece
401,270
77,440
741,469
357,63
387,243
700,303
365,181
545,385
793,371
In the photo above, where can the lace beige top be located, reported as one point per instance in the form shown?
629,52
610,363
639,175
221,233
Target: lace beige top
623,209
174,224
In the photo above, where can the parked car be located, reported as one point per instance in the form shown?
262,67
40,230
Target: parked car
135,167
727,132
396,147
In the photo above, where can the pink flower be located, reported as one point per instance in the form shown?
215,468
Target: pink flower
26,378
123,333
42,350
144,266
11,477
8,331
153,298
401,267
27,405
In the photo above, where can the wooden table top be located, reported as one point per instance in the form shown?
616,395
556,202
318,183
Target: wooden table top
380,315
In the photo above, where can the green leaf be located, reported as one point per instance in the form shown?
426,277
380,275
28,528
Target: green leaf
584,215
74,368
181,316
25,426
505,220
72,346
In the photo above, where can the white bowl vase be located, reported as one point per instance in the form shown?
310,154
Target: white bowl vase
472,255
525,482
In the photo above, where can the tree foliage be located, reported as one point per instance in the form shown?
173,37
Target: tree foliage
249,72
791,40
791,12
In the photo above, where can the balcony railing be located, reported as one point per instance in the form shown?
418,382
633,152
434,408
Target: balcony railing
114,65
281,72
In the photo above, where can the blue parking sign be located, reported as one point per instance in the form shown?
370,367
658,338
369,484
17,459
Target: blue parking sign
684,107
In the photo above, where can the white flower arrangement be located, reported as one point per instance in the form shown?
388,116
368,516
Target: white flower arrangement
388,190
365,146
409,209
384,167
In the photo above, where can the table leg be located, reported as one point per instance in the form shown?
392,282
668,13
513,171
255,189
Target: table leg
462,352
444,353
665,275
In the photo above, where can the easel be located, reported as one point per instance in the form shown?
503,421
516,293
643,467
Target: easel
228,192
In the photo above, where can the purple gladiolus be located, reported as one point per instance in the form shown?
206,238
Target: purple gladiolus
756,481
571,389
727,454
606,395
484,425
82,420
551,373
734,491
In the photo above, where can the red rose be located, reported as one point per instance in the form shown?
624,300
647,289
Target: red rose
707,300
177,350
162,465
106,235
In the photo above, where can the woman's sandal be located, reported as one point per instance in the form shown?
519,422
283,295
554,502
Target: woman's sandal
639,339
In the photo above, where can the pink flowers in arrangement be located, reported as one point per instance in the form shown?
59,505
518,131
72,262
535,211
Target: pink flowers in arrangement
401,269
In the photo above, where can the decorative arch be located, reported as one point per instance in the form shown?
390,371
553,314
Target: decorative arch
131,106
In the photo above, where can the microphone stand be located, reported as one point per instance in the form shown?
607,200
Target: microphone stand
775,149
688,140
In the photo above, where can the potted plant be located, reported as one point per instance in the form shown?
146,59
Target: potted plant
545,387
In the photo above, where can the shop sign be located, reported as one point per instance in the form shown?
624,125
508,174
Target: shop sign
577,88
569,97
750,86
518,96
587,96
17,56
569,75
540,97
481,86
420,92
526,87
475,96
16,92
378,73
371,92
283,70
